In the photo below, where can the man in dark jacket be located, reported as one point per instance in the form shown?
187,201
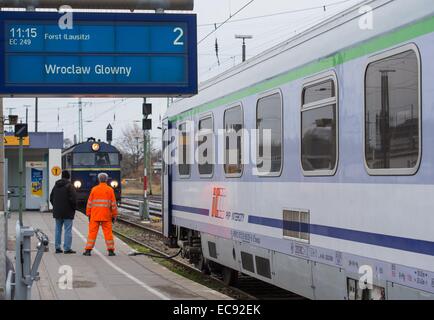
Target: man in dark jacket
64,200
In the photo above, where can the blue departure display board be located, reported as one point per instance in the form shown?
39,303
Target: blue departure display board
125,54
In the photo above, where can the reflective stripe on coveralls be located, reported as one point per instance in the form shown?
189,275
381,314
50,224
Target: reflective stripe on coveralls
93,234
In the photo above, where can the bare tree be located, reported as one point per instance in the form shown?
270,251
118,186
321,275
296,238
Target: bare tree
67,143
131,147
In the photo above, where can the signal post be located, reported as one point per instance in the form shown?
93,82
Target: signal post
147,126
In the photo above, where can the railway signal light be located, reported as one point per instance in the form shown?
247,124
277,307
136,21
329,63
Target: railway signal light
147,124
109,135
147,109
21,130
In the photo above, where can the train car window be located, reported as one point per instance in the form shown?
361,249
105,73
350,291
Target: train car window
319,146
114,159
84,159
233,123
98,159
392,115
269,151
318,92
102,159
69,160
206,147
184,163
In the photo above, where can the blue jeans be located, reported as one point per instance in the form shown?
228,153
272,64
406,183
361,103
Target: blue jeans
67,223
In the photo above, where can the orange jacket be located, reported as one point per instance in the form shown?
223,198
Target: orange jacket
101,205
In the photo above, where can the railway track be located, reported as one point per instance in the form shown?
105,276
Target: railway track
247,288
133,205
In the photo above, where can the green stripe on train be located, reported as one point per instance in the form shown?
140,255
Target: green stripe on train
371,46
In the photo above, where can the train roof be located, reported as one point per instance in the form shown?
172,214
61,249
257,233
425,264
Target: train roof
86,147
325,39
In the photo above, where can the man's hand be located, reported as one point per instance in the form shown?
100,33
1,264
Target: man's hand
114,219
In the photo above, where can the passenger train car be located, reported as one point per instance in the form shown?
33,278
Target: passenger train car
349,199
86,160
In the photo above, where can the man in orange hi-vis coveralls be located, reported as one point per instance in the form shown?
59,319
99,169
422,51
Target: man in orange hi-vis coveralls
102,211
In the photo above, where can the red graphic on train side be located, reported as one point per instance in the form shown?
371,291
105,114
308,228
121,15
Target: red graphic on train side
217,203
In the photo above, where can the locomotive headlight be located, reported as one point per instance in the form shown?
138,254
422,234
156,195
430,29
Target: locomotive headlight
95,147
114,184
77,184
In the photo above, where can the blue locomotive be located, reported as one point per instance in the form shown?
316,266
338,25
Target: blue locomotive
86,160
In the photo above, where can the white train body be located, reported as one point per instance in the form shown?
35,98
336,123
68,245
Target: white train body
355,217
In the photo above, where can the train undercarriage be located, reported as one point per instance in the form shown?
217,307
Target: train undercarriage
191,244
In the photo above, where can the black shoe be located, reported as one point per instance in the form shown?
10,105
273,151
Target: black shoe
59,251
69,252
87,253
111,253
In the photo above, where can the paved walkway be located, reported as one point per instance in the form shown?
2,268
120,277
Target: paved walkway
100,277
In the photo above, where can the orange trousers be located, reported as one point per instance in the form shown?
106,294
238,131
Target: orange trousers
93,234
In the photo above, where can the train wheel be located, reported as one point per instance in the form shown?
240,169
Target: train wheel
202,265
230,276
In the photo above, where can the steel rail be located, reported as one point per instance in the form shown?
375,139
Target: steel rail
142,227
184,264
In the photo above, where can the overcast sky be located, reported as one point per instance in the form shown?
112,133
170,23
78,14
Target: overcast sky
62,114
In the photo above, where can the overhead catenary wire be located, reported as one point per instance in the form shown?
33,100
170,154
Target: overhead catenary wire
269,43
324,7
313,20
224,22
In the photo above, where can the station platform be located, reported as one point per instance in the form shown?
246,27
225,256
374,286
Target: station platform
100,277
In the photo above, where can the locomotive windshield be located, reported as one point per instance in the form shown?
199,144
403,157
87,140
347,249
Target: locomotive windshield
96,159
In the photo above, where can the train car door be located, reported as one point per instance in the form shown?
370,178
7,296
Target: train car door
166,181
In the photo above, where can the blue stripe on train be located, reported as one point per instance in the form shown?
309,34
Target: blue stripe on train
381,240
202,212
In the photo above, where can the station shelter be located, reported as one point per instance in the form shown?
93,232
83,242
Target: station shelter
42,168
